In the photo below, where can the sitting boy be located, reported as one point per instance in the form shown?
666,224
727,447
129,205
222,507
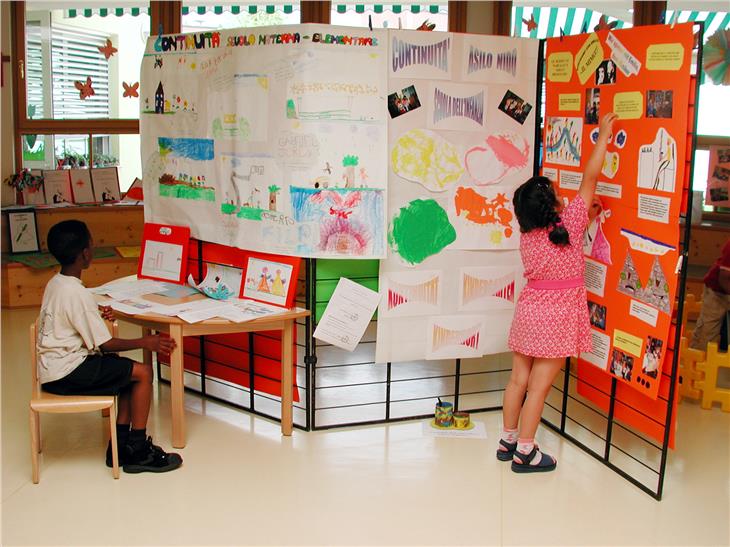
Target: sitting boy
75,352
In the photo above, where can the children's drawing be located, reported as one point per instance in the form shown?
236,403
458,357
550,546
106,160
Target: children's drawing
267,281
342,221
425,157
161,104
236,119
501,155
184,186
487,288
411,293
162,260
455,336
645,244
484,218
194,149
220,282
658,163
419,230
563,138
654,292
595,244
610,164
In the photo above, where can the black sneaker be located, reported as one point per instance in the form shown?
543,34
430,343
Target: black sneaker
150,458
120,450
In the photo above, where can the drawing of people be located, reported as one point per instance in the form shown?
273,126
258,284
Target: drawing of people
277,287
264,281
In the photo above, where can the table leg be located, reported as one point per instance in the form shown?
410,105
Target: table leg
177,387
287,339
146,354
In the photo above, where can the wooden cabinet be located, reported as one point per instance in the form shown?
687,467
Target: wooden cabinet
110,226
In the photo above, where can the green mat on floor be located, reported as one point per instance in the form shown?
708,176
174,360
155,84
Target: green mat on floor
40,261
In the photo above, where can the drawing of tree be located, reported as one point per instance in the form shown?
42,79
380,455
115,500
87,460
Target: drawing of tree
273,190
349,163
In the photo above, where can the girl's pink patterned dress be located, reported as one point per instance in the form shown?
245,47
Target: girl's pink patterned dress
553,323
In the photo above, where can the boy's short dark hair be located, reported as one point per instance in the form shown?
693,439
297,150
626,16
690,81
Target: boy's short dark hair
67,239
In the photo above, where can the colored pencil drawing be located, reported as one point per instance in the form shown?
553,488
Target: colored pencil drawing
267,281
171,105
487,288
185,186
411,293
658,163
220,282
424,157
563,139
654,292
499,156
344,221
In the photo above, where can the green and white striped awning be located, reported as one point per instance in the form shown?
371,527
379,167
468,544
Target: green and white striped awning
395,8
106,12
713,20
551,20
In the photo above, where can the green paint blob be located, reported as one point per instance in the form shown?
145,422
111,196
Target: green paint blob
419,230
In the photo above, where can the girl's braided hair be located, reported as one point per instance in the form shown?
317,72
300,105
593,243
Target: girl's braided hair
535,203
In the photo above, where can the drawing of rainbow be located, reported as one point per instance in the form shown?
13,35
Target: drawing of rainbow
446,337
426,292
501,287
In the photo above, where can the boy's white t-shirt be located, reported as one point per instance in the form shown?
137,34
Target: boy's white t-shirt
70,327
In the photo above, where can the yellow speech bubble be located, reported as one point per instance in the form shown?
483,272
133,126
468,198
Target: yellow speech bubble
628,105
560,66
664,57
627,342
589,56
569,101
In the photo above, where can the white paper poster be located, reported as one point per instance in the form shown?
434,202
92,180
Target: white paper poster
162,260
347,315
450,203
273,140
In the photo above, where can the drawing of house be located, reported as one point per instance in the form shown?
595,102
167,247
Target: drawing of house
160,100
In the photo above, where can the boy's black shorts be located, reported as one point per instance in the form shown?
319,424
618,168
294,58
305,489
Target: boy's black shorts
98,374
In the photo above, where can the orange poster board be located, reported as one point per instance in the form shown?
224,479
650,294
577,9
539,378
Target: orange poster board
633,240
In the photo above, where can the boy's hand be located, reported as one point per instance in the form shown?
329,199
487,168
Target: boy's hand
606,126
157,343
107,313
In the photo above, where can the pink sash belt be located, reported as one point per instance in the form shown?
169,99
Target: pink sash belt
555,284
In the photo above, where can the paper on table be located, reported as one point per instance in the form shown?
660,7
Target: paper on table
347,315
128,288
135,306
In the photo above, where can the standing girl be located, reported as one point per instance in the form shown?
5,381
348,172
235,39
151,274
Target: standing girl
551,319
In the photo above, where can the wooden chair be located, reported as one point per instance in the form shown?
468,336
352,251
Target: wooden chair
42,401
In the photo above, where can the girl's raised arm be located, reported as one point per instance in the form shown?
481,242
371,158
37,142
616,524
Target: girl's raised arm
595,162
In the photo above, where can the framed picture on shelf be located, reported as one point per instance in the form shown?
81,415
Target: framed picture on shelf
57,183
23,231
271,278
34,196
81,186
105,181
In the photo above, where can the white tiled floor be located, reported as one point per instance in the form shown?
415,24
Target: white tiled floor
243,484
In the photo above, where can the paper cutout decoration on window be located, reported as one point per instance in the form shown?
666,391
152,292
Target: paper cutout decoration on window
108,49
85,89
130,90
716,57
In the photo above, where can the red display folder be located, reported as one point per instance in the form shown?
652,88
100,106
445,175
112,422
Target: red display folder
164,253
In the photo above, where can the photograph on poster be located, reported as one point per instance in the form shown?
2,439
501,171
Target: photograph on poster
621,364
606,73
721,173
650,365
403,101
515,107
597,315
659,103
719,194
593,104
723,155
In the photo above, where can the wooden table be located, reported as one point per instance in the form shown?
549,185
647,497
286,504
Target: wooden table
178,329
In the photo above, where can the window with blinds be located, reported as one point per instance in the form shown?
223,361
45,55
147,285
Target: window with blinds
53,66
